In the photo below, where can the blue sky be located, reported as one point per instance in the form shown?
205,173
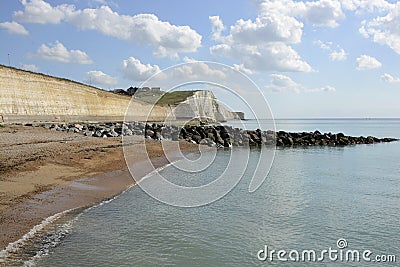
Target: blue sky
310,59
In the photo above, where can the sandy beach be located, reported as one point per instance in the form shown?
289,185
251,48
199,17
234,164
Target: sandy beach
43,172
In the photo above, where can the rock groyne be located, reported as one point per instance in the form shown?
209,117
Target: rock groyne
213,135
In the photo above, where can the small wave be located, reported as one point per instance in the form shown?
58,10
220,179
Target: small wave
43,237
17,251
39,241
150,174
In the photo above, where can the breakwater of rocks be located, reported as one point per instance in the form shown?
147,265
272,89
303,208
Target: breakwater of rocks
212,135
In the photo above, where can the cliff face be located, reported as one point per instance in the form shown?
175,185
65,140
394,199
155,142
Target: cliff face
28,96
203,104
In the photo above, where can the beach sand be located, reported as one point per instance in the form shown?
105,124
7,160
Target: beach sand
43,172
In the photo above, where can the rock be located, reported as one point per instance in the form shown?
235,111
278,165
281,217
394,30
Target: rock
78,126
98,133
127,132
88,133
317,133
112,133
149,133
197,138
219,136
73,130
157,136
228,142
208,141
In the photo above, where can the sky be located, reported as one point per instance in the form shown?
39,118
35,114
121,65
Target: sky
309,59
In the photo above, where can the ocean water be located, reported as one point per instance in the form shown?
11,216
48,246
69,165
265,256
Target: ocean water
311,199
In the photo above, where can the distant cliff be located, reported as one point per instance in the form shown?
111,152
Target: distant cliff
29,96
203,103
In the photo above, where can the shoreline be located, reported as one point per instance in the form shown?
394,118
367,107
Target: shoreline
83,173
44,172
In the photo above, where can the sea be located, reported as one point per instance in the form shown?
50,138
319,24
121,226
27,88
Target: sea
318,206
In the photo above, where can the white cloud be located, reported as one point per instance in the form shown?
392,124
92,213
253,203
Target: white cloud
80,57
324,45
389,78
58,52
363,6
334,55
196,71
217,27
324,13
242,68
271,56
338,55
39,11
189,60
385,29
264,44
133,69
327,88
99,78
166,39
29,67
280,84
14,27
365,62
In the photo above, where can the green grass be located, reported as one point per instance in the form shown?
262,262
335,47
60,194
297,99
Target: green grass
149,97
174,98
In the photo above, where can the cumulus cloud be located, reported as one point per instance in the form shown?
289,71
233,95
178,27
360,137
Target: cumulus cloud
389,78
100,78
384,30
14,27
265,43
242,68
196,71
281,83
29,67
362,6
39,11
166,39
58,52
217,27
133,69
270,56
365,62
334,55
338,55
324,13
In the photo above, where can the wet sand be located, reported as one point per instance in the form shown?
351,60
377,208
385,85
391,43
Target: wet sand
44,172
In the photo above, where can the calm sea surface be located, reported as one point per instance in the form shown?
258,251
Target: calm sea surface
311,198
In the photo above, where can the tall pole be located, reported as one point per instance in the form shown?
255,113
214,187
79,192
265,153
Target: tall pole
9,64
